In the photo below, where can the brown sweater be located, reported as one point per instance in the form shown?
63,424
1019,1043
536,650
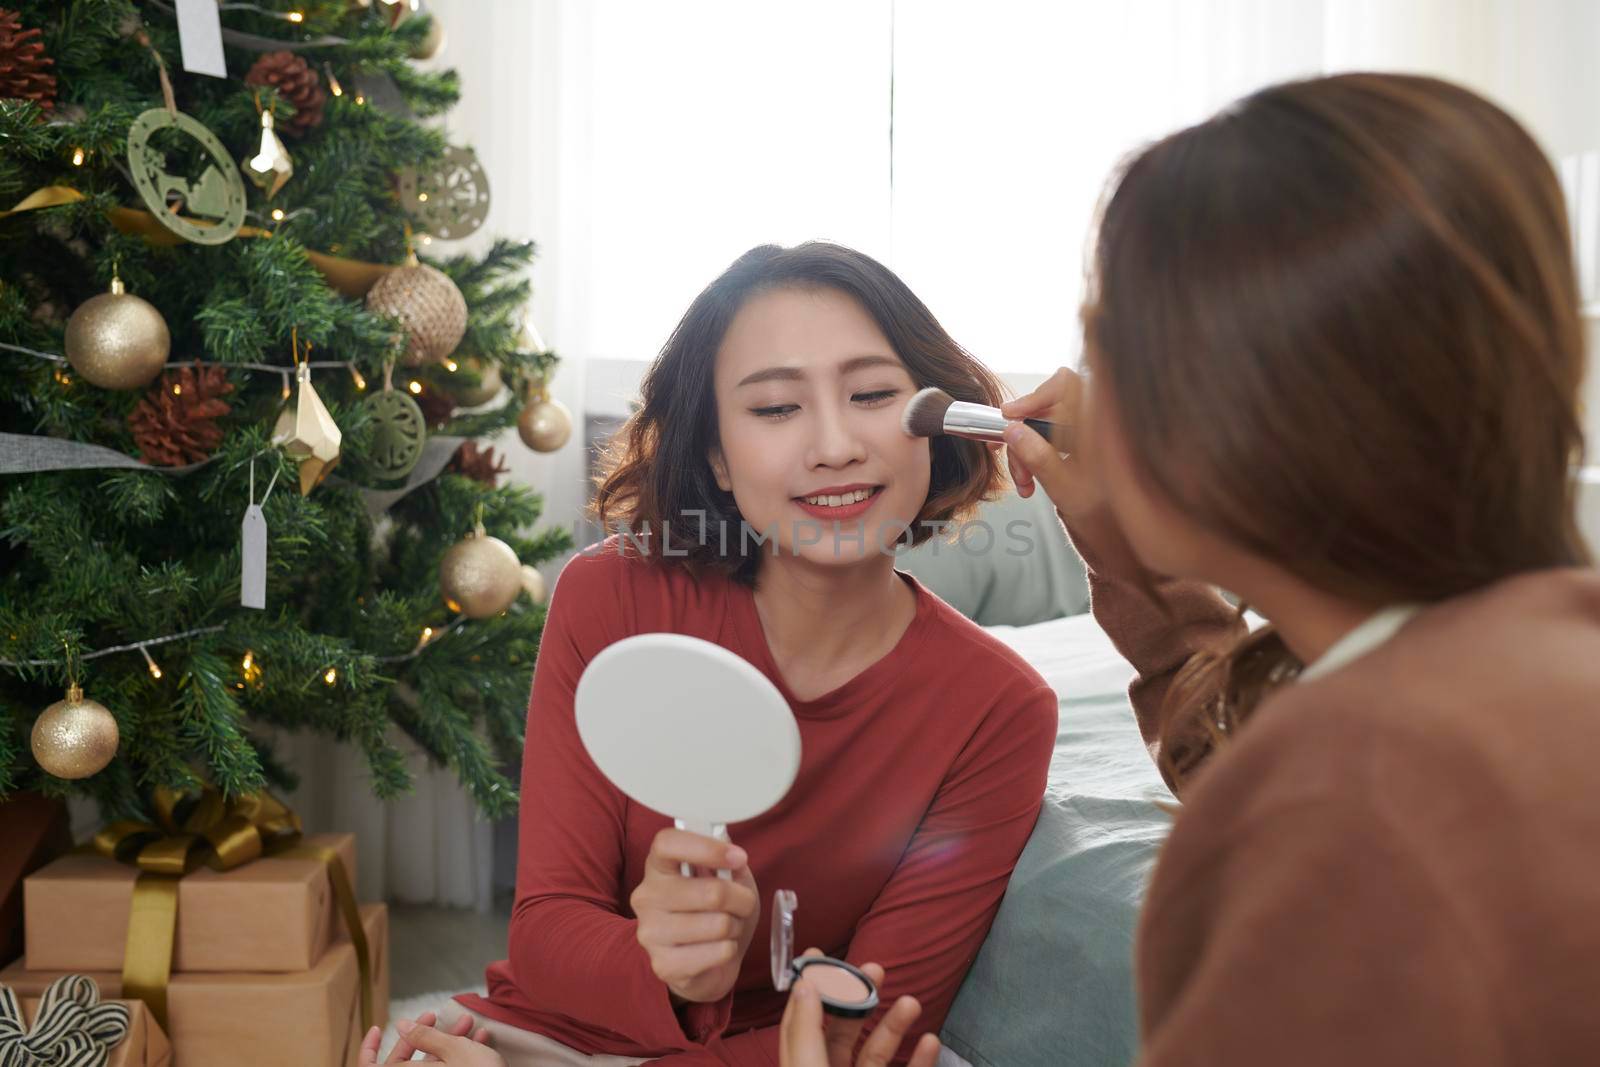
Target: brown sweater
1395,864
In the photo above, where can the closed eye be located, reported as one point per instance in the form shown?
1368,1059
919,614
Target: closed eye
876,397
777,411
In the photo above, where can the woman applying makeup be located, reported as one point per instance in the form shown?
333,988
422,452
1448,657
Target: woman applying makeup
1333,354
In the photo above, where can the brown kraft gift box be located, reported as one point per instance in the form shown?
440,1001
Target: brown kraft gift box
144,1046
309,1019
276,914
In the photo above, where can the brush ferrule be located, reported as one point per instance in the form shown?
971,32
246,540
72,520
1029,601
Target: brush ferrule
977,422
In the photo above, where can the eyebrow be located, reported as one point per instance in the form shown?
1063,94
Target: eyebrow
795,374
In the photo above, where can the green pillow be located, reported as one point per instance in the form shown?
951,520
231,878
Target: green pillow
1053,984
1010,566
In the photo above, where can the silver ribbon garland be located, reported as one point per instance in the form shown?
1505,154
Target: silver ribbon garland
27,454
73,1028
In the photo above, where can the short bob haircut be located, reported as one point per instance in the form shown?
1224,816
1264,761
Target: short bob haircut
656,477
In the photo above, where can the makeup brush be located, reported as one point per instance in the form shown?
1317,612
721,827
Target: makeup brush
933,411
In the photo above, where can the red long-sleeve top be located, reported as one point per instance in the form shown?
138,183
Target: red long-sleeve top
920,780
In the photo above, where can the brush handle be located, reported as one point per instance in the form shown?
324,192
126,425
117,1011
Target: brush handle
980,422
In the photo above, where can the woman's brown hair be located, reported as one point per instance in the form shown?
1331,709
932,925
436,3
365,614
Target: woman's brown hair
656,474
1340,324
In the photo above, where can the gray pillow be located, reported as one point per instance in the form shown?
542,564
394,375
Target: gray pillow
1010,566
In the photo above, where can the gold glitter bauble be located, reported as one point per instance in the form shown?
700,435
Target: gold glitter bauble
488,387
545,424
117,341
430,307
480,576
75,737
533,584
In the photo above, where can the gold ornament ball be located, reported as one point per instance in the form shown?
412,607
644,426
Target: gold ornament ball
117,340
545,425
432,42
533,583
488,387
480,576
430,307
75,737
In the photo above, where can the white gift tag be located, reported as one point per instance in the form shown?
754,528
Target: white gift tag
253,576
200,36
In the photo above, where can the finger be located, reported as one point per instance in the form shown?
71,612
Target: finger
674,928
1021,476
461,1027
800,1033
483,1037
927,1052
1042,460
689,961
369,1048
842,1035
427,1039
401,1053
885,1040
874,972
1041,399
673,847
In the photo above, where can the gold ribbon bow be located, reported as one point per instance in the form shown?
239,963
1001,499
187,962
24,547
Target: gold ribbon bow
205,829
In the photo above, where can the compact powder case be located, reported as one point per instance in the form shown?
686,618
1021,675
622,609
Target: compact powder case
845,989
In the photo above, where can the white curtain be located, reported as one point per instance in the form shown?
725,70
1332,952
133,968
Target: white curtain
644,144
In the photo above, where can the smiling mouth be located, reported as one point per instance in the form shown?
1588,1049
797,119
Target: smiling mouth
839,500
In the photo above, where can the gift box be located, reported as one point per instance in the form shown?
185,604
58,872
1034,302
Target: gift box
309,1019
145,1046
273,914
375,921
36,831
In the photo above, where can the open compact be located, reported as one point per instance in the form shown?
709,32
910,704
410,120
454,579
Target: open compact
845,990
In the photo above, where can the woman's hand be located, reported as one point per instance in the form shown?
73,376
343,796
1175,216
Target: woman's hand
422,1035
696,930
1078,494
1032,459
808,1038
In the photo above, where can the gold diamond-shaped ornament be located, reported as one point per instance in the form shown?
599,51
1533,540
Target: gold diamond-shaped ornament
270,168
308,433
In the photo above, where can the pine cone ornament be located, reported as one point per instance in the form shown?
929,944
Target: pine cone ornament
481,465
437,406
174,423
23,64
297,83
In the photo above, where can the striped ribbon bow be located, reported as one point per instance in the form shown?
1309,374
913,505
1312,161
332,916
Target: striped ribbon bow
73,1028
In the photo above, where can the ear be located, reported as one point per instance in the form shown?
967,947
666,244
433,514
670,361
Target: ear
719,469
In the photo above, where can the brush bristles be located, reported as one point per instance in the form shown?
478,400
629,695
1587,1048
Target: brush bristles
924,413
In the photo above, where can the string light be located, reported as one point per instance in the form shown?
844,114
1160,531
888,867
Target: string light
427,240
422,198
177,389
296,16
62,377
77,157
277,214
332,676
155,671
451,365
333,83
249,667
427,633
415,387
286,385
360,100
361,383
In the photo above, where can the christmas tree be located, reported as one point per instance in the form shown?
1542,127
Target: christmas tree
210,299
